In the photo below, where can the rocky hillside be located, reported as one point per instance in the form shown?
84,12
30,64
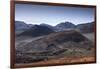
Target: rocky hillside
51,46
56,40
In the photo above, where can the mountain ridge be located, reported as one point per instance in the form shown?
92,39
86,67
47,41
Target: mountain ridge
84,28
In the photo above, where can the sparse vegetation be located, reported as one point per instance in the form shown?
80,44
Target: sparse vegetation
57,47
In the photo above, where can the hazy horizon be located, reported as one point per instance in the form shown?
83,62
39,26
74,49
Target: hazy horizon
52,15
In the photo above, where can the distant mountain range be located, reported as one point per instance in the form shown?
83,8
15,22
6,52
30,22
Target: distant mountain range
43,29
37,30
64,25
86,28
19,25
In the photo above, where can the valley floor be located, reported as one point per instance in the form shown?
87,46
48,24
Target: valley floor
60,61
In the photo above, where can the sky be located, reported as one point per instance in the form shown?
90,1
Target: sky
52,15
